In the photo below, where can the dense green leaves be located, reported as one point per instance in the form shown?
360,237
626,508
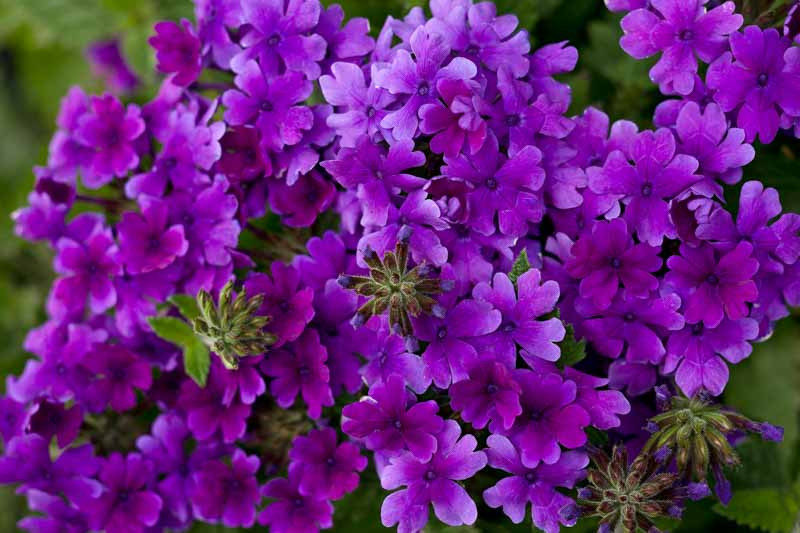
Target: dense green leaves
771,510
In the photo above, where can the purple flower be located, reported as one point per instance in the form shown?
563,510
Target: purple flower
352,42
603,406
325,469
206,412
227,493
504,189
657,176
550,416
418,78
108,63
637,323
449,353
694,352
686,29
360,105
288,305
762,82
109,129
278,33
177,51
301,202
387,354
535,485
376,175
607,257
714,285
489,392
87,269
456,119
299,367
270,105
214,17
433,481
520,310
126,504
57,515
118,372
389,421
291,511
146,242
14,419
51,419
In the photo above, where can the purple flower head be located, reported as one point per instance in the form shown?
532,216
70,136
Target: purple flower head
635,323
52,419
489,392
455,121
278,33
299,367
146,242
206,412
291,511
646,187
505,193
14,419
519,325
418,77
386,355
126,504
695,353
721,151
117,373
214,17
67,152
534,485
227,493
608,257
603,406
684,29
27,462
57,515
300,203
758,81
288,305
42,219
109,129
350,43
325,469
177,51
108,63
389,422
376,175
241,159
360,105
433,481
450,352
714,285
87,269
271,104
550,416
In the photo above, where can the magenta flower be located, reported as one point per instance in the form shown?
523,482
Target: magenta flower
301,202
291,511
519,324
488,393
389,422
50,419
536,486
714,285
550,416
146,242
227,493
325,469
418,78
15,419
177,51
206,412
608,257
288,305
299,368
683,29
603,406
433,481
110,130
118,372
387,354
455,121
758,82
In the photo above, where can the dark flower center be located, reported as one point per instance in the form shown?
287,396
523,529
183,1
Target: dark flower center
273,40
312,196
113,137
430,475
762,79
330,461
441,332
370,111
647,189
61,369
398,425
154,243
170,162
508,327
535,416
530,477
117,373
697,329
628,317
298,502
423,89
616,262
491,388
267,107
512,120
303,371
686,35
123,496
491,183
92,268
472,50
712,279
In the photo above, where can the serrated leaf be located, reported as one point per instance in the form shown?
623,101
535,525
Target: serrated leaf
172,329
186,304
521,265
770,510
197,361
573,351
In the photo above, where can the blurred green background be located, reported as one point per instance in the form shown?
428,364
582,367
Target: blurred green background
42,54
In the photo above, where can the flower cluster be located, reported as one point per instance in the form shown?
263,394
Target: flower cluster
361,269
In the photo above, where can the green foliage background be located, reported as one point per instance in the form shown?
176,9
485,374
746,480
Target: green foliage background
42,45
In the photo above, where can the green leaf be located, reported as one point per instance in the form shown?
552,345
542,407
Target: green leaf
196,358
521,265
770,510
573,351
186,304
